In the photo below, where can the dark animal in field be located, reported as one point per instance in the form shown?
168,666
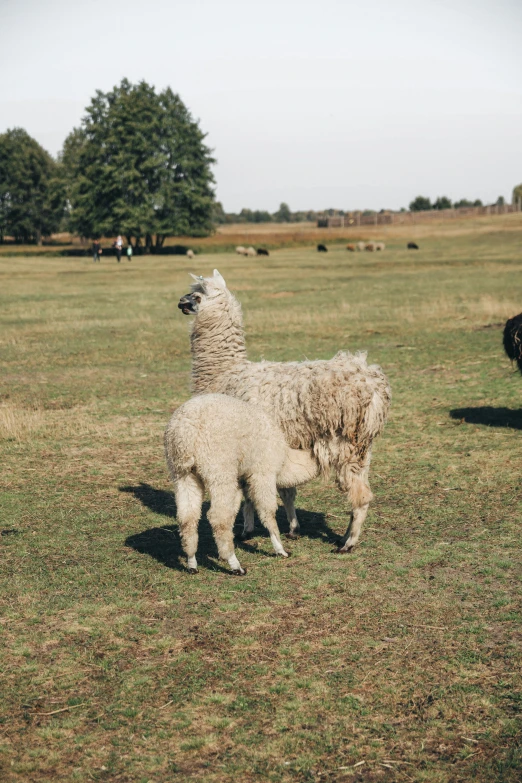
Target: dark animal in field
513,340
262,251
351,248
322,249
412,246
370,247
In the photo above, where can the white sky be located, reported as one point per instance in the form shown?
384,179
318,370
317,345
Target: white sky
343,104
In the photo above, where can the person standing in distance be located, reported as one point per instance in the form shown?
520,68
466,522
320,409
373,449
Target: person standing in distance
129,252
96,251
119,247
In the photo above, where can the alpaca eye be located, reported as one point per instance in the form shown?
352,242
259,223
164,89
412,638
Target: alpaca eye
198,299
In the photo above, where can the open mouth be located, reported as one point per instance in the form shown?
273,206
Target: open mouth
185,307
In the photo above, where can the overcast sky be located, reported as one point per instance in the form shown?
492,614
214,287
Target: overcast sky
337,104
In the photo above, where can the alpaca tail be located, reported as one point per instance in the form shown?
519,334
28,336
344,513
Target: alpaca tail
180,459
376,413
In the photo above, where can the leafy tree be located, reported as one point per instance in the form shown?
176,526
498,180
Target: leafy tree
517,194
420,204
500,201
218,213
261,216
442,202
477,203
283,214
245,216
32,198
138,166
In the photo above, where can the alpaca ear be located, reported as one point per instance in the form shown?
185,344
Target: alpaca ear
219,280
197,278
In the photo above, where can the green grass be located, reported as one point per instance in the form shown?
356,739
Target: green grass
402,658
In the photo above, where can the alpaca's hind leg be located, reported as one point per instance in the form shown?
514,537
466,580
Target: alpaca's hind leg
248,519
288,497
262,490
189,499
353,532
225,500
360,495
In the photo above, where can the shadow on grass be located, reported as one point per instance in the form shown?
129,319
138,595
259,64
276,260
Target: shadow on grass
164,545
490,417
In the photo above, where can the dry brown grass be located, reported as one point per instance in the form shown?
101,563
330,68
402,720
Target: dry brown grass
279,235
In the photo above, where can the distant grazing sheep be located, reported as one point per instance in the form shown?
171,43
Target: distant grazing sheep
262,251
370,246
251,251
190,254
380,245
412,246
351,248
335,407
322,249
221,444
513,340
240,250
360,245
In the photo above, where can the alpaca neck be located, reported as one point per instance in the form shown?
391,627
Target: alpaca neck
217,344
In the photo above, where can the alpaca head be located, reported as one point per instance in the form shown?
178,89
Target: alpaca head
203,292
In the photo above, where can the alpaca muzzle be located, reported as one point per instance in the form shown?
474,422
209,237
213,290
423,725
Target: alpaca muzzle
185,305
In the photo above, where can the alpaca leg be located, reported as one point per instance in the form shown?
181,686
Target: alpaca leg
225,500
248,519
288,497
353,532
189,499
360,495
263,494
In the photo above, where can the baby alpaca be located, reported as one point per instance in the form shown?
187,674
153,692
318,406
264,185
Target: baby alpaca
227,446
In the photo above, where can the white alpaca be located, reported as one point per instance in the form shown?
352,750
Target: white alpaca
360,245
380,245
190,254
335,408
240,250
250,251
227,447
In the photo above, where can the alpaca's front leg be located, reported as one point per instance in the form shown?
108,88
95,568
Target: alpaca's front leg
288,497
248,520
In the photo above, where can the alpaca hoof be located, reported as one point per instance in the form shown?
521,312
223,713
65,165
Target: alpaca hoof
245,535
344,550
292,536
193,571
239,571
284,553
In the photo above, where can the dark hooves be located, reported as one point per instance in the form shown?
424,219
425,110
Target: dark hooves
237,572
292,536
245,536
193,570
344,551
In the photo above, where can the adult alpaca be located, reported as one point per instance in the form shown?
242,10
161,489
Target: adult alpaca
335,408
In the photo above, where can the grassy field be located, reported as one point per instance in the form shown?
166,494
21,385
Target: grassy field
400,662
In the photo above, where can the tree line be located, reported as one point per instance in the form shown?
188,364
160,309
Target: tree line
423,203
137,165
